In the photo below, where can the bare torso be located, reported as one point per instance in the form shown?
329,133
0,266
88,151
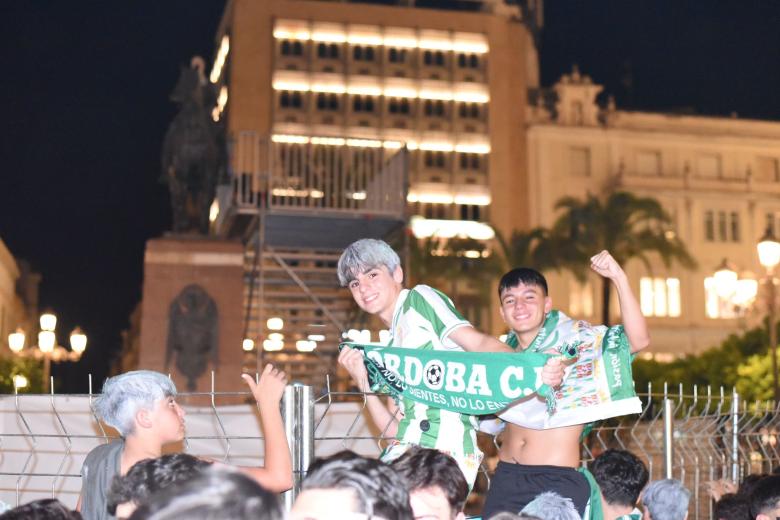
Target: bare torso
553,447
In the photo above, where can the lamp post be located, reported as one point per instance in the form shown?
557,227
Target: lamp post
47,349
769,256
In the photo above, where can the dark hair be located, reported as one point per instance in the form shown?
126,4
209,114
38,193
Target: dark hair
750,482
45,509
522,275
505,515
378,488
423,468
216,493
765,495
621,475
732,507
149,476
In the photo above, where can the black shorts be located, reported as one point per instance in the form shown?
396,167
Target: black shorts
513,486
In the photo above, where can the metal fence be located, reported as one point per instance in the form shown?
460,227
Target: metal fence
692,434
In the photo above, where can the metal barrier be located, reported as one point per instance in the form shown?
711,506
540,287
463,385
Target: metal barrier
694,436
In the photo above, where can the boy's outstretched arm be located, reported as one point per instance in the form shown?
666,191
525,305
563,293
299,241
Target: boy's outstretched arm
276,475
384,414
633,320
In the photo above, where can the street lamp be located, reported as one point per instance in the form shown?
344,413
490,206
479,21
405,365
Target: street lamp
769,256
47,348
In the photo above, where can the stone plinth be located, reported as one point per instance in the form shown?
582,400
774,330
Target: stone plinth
170,265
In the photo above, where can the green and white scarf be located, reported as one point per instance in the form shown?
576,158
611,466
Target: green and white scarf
599,384
462,382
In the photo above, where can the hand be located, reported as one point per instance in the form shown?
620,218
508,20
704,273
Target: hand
269,391
717,488
552,372
352,360
606,266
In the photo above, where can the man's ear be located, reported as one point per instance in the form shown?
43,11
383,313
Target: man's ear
398,275
143,418
547,304
460,516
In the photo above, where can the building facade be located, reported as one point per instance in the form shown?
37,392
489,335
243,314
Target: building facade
719,179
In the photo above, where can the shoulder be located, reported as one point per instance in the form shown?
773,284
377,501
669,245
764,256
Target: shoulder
426,293
104,452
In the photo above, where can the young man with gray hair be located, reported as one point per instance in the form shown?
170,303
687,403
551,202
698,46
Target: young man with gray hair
141,405
666,500
418,318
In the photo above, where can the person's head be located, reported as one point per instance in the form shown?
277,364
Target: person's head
437,488
551,506
522,293
347,484
666,500
372,271
141,399
749,482
505,515
621,476
765,498
46,509
732,507
149,476
217,493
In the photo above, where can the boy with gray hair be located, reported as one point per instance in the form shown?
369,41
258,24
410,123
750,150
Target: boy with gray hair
666,500
551,506
417,318
141,405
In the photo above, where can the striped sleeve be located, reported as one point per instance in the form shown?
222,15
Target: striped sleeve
438,310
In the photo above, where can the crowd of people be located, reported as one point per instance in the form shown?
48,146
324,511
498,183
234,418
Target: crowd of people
428,469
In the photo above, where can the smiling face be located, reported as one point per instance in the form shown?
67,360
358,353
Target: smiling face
523,308
168,419
376,291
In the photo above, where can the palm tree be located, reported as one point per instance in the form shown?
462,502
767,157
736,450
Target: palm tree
626,225
537,248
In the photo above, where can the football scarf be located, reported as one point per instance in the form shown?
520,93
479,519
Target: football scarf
599,384
462,382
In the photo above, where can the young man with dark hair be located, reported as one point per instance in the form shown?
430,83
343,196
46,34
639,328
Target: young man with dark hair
765,499
732,506
44,509
149,476
347,485
437,488
418,318
536,454
621,477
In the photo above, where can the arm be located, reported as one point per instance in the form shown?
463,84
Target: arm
383,414
470,339
276,475
633,320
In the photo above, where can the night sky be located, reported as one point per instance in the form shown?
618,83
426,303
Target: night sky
85,106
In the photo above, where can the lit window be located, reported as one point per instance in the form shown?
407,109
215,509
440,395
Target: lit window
660,296
579,158
718,306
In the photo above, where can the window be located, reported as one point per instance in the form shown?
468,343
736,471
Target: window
469,212
767,169
433,58
327,101
363,53
716,305
363,104
469,110
648,163
290,99
434,108
579,161
468,61
771,223
660,296
398,106
581,299
291,48
708,166
327,51
396,55
434,159
469,161
722,226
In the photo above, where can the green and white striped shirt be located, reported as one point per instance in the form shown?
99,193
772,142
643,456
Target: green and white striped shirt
423,319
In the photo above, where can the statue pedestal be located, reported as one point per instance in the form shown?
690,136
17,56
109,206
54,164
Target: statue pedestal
170,265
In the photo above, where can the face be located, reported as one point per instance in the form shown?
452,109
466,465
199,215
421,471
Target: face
431,504
124,510
376,291
168,418
524,307
771,514
324,504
